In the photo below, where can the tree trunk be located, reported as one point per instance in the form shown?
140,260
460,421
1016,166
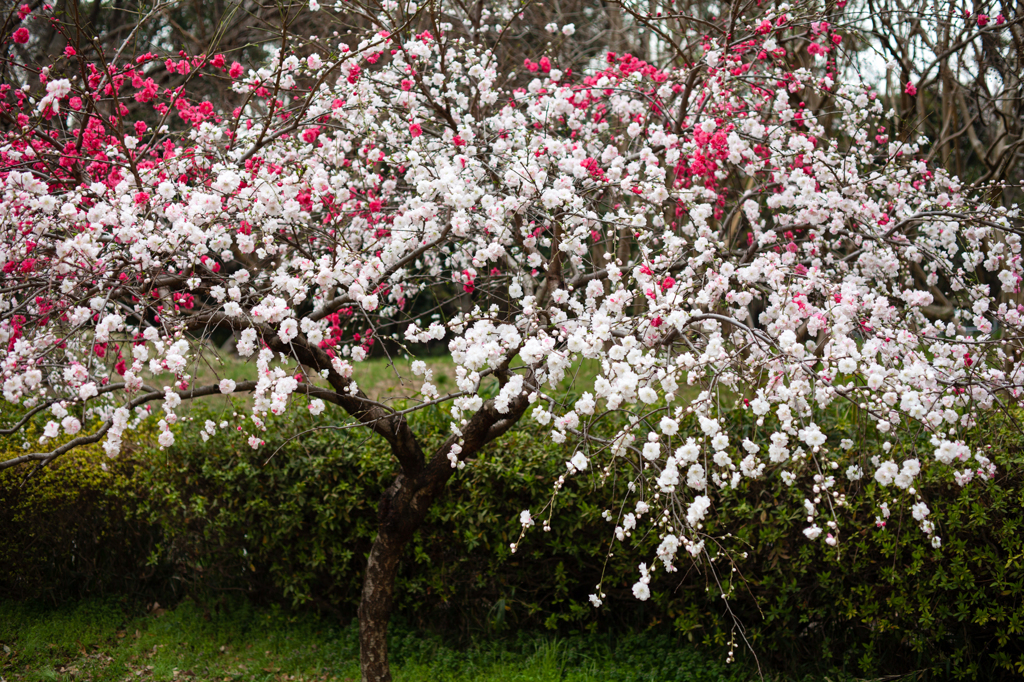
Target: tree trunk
402,509
375,606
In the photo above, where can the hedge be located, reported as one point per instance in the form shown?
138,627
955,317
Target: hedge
292,523
71,529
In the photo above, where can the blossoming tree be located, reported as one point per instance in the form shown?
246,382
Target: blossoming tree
695,225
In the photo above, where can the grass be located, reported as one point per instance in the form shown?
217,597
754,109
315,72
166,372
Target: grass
383,379
98,641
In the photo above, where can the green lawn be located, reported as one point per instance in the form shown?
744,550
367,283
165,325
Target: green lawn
98,641
380,378
384,378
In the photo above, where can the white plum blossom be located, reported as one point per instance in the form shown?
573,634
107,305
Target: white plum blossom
668,426
812,532
886,473
289,330
579,462
812,435
697,509
71,425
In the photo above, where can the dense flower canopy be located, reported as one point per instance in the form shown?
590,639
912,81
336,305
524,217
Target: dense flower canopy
696,226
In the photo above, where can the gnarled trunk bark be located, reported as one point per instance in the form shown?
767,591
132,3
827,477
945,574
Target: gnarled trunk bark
402,509
375,607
